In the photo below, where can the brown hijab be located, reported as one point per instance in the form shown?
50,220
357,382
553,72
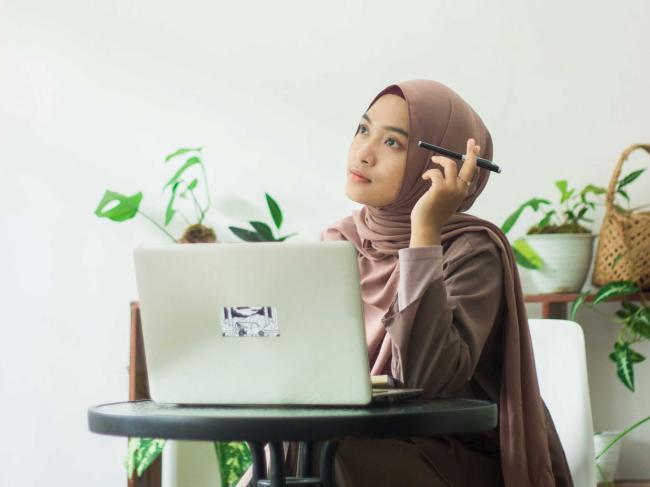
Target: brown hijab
439,115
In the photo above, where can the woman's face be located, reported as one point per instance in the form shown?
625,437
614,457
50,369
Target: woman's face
378,152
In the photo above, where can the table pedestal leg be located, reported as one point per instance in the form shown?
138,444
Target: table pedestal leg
327,454
305,451
259,461
278,477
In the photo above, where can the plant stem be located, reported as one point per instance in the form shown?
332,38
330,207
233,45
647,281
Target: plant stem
607,479
152,221
205,177
197,205
621,435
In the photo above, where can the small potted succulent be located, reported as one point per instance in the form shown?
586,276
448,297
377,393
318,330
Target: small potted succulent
559,246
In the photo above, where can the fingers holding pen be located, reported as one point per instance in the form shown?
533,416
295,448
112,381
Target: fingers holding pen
450,175
449,169
468,169
436,176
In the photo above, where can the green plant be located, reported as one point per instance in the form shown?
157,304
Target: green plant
635,325
624,181
262,232
141,453
614,441
635,328
234,458
119,207
567,216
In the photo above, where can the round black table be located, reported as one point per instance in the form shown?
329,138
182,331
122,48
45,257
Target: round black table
273,425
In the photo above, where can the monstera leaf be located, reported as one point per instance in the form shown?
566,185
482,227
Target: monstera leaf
125,208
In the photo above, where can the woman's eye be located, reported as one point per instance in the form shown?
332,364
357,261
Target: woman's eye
361,128
396,143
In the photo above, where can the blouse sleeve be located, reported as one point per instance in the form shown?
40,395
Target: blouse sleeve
449,312
419,267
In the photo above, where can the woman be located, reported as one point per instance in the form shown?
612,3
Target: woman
443,306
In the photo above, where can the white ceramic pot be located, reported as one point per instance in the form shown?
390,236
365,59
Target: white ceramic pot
566,259
608,463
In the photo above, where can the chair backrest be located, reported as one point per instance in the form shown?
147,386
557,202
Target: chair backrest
561,362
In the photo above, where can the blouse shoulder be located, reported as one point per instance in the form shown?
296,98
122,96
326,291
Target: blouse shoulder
470,244
332,233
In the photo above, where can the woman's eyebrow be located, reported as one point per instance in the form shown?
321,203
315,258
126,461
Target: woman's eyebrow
388,127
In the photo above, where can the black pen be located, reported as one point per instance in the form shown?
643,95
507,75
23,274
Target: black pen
480,162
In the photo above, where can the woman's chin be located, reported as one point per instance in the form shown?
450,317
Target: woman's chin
358,195
354,194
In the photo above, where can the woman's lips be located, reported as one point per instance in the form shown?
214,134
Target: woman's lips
360,179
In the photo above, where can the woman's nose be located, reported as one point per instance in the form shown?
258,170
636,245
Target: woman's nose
366,154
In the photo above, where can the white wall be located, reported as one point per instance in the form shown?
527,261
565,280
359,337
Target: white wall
93,95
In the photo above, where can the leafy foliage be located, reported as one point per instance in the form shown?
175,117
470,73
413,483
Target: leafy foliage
576,305
525,255
234,459
141,453
635,321
118,207
534,203
568,216
261,231
615,289
624,181
125,207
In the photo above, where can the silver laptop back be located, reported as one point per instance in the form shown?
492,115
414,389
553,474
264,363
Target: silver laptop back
253,323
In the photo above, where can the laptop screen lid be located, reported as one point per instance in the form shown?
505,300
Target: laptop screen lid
253,323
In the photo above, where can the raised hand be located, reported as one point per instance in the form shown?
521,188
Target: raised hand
448,189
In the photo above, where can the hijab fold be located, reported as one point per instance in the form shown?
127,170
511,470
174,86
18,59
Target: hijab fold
440,116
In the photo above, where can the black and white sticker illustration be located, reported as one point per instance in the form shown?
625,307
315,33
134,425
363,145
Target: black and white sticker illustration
250,321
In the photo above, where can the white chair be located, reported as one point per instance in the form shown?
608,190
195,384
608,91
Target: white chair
559,348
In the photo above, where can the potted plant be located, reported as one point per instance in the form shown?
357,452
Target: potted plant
559,246
634,323
234,458
118,207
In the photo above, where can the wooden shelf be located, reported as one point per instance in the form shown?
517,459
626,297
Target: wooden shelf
139,389
627,483
557,305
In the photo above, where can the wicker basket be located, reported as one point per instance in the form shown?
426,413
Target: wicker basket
623,251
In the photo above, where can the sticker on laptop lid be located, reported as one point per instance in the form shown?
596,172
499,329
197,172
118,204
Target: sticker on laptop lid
249,321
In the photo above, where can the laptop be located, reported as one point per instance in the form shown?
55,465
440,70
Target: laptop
255,323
